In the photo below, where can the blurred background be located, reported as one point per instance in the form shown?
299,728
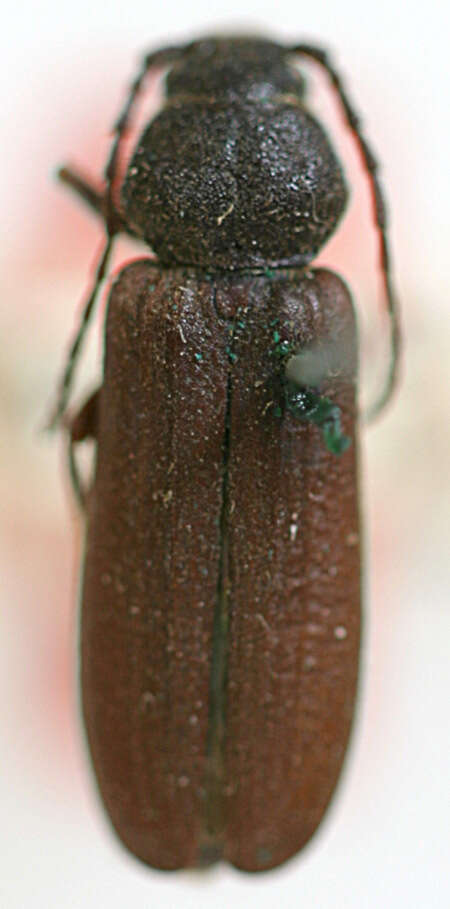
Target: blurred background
65,70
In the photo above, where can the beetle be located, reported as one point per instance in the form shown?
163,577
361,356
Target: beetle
221,591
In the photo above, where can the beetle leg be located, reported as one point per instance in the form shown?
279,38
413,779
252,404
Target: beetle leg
80,427
93,196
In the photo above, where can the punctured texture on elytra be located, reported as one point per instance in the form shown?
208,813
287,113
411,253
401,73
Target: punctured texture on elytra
220,620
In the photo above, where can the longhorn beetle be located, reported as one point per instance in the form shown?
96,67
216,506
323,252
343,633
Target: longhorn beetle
221,589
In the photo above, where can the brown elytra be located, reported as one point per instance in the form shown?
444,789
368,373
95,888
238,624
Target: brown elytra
221,593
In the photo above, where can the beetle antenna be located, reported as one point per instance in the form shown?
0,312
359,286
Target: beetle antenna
371,166
112,221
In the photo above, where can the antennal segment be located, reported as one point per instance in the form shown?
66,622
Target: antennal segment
113,224
318,55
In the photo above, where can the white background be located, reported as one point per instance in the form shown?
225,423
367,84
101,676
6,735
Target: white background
385,842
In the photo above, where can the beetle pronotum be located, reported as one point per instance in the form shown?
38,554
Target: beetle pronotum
221,590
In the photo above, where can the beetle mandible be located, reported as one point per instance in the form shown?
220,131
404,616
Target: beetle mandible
221,589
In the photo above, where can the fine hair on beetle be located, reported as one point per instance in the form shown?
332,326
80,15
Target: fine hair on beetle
221,587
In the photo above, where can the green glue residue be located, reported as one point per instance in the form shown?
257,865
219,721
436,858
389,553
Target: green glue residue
310,407
231,356
281,348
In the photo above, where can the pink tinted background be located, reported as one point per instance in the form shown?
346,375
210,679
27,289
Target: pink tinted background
384,843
